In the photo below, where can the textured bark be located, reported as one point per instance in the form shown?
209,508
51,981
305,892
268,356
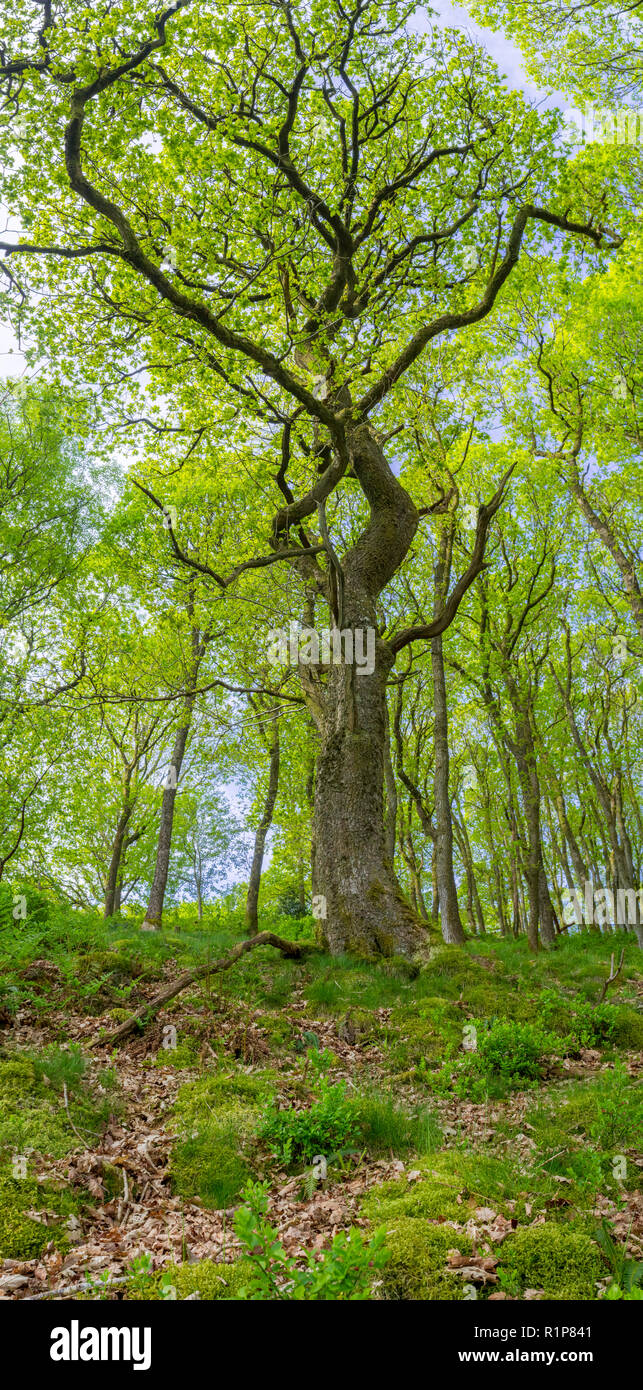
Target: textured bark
530,789
547,915
365,907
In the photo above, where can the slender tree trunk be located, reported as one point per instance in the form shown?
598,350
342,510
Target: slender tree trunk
452,929
525,754
154,914
254,882
450,921
407,849
113,872
391,797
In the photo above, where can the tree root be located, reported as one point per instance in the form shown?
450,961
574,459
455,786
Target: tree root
143,1015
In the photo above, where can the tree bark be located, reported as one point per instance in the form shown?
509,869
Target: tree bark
154,914
450,921
111,887
254,882
365,907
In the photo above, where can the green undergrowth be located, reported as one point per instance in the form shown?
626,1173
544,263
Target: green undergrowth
22,1235
356,1061
46,1096
204,1280
339,1121
216,1119
559,1257
564,1263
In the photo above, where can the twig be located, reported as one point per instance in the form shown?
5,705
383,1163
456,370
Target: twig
613,975
145,1013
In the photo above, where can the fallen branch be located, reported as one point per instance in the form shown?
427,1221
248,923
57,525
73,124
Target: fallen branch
613,975
146,1012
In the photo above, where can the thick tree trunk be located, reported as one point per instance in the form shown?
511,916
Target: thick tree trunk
365,908
254,882
366,911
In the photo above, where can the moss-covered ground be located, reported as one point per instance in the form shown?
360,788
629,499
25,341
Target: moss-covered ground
484,1109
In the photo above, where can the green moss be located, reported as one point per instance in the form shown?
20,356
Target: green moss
30,1117
553,1258
20,1237
279,1030
428,1198
420,1032
122,964
217,1118
17,1079
416,1268
627,1030
184,1055
213,1282
32,1113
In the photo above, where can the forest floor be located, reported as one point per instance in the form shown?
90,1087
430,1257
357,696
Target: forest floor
483,1111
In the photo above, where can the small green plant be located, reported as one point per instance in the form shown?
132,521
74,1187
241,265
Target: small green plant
619,1108
579,1022
328,1126
141,1274
343,1272
627,1274
99,1285
515,1050
61,1067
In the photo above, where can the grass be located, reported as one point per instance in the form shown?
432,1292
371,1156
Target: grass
412,1090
